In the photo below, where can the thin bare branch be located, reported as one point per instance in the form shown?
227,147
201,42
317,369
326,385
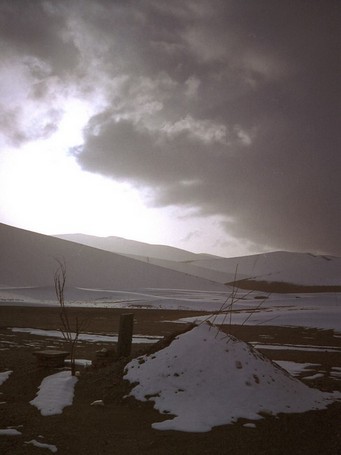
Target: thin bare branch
70,336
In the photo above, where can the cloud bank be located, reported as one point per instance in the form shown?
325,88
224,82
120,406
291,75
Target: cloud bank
228,107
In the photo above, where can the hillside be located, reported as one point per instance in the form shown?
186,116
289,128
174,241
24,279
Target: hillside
134,248
28,259
278,271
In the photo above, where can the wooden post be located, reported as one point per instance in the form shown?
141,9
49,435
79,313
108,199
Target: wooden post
125,334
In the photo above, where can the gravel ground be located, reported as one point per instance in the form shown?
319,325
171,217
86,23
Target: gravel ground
124,425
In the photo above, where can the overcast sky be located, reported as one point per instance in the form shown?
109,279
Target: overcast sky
209,125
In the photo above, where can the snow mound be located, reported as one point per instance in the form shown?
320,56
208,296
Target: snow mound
206,378
55,392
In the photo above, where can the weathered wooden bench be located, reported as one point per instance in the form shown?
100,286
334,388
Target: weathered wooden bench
51,358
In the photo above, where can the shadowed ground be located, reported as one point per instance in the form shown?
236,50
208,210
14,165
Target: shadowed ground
124,425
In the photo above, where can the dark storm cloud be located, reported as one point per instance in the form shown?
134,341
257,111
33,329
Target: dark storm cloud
227,106
37,29
38,57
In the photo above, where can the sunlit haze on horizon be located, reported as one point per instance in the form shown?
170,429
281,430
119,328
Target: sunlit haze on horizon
210,126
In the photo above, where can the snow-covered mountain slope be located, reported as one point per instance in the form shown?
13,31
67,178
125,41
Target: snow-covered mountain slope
283,267
301,269
294,269
143,251
28,259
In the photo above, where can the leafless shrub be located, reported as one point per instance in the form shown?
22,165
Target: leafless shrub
69,331
226,309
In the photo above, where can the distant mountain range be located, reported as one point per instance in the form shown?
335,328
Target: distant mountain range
133,248
28,260
279,271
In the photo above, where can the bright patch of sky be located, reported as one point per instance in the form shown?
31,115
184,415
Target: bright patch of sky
45,190
51,194
155,95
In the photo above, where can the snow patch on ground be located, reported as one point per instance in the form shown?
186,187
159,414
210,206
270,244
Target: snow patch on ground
320,311
79,362
85,336
42,445
4,376
295,347
206,378
295,368
55,392
10,432
249,425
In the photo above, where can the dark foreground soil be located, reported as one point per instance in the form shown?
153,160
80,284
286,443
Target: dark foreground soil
123,425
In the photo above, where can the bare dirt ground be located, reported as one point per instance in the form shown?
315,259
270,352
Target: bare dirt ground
123,426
